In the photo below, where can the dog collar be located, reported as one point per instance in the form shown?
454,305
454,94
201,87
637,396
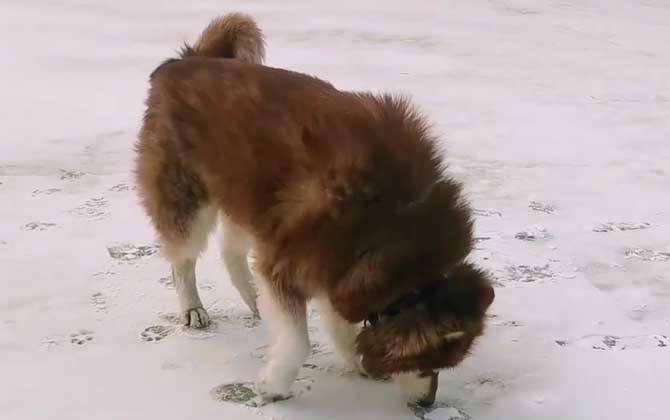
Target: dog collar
414,298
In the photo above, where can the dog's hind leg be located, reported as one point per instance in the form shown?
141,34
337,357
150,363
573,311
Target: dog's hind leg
178,203
342,333
235,247
285,314
183,257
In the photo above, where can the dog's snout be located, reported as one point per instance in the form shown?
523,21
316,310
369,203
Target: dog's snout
419,388
429,398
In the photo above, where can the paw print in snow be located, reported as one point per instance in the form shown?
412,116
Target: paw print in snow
620,227
541,207
93,209
647,254
156,333
534,233
122,187
48,191
240,393
38,226
81,337
130,252
528,274
69,175
486,213
614,342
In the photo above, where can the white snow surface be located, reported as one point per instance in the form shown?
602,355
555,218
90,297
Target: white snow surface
555,114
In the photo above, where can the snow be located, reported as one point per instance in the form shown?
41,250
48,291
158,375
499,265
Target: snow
556,115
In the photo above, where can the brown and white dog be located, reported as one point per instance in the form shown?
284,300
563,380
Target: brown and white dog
340,196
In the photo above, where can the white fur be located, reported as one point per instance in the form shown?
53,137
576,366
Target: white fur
183,274
290,345
196,243
183,258
235,247
412,387
342,332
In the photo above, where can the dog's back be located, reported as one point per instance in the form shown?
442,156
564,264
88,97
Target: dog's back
251,138
234,124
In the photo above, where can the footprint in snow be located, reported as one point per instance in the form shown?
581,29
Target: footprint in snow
238,392
533,233
244,393
541,207
527,273
155,333
48,191
39,226
614,342
130,252
70,175
81,337
93,209
479,239
646,254
620,227
486,213
122,187
99,302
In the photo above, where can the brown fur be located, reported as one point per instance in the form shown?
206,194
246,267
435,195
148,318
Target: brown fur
417,339
234,35
342,193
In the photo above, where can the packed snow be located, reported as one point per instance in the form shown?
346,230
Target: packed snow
555,114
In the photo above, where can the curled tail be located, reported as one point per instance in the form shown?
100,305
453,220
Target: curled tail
234,35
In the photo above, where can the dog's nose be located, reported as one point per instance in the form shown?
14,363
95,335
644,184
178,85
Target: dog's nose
426,402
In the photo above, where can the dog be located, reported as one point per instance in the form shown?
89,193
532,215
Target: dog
341,197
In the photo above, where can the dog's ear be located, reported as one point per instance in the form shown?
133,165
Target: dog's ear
466,290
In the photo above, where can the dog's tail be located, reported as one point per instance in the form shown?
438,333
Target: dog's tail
234,35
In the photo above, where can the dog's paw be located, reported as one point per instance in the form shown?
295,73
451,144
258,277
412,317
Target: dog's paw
196,318
354,363
252,305
263,400
269,393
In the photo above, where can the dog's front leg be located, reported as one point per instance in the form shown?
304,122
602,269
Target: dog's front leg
342,333
285,315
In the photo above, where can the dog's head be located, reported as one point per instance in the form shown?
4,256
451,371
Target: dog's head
428,330
423,305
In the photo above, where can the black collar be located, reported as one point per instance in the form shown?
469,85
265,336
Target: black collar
408,301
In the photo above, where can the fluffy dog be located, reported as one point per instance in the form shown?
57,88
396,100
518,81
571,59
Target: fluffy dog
341,196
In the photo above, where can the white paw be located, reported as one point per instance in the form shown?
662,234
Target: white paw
253,308
196,318
250,301
355,363
269,392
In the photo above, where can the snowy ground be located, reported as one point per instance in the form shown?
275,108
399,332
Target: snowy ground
555,113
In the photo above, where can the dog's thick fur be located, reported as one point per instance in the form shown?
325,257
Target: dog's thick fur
341,196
